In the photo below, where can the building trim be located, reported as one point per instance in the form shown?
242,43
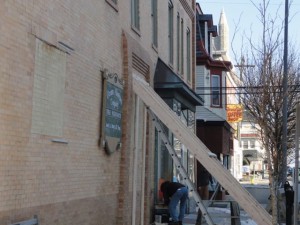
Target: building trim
140,65
187,8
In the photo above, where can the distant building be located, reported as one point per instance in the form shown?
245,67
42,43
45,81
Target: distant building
212,71
251,144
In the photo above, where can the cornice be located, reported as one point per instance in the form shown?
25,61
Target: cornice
187,8
211,63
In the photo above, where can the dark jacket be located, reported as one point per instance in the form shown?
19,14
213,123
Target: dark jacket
168,189
204,178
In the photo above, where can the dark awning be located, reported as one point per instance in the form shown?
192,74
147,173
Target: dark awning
168,85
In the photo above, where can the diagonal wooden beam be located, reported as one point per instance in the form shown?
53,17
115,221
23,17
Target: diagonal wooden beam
200,151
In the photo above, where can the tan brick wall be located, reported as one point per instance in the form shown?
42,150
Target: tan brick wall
74,212
74,182
38,176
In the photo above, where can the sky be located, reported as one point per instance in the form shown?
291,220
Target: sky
243,16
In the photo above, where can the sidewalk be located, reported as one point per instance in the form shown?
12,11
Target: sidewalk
257,180
258,187
222,216
190,219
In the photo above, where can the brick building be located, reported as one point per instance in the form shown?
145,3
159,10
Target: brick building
60,158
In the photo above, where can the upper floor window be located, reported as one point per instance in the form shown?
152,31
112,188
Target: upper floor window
178,42
181,47
215,90
188,54
135,17
154,23
170,15
252,143
245,144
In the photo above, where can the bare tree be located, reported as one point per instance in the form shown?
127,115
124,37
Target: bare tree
263,94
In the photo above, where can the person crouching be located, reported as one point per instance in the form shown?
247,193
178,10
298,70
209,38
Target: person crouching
173,193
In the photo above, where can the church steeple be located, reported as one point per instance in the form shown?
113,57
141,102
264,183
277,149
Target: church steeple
223,33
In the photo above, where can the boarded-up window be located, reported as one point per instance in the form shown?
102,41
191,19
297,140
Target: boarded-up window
48,90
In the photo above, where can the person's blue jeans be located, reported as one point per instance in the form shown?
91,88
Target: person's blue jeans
180,195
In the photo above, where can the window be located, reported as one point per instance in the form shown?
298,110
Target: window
188,54
170,32
216,90
181,50
225,92
154,23
252,143
135,17
178,42
245,144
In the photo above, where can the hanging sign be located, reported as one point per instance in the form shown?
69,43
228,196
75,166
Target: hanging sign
234,113
112,105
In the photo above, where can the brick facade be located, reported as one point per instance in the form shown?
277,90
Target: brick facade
59,172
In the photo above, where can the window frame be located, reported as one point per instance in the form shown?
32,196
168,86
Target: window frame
252,144
154,23
182,48
216,88
178,41
135,15
245,144
188,54
171,31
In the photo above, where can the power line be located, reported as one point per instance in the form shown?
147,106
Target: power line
241,3
248,87
247,93
244,90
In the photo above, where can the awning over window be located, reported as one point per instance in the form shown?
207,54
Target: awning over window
168,85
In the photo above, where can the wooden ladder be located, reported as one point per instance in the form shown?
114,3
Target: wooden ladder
180,168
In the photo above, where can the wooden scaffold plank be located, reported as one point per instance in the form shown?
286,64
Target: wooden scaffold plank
200,151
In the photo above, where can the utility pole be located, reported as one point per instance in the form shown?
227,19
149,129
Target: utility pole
296,172
285,93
